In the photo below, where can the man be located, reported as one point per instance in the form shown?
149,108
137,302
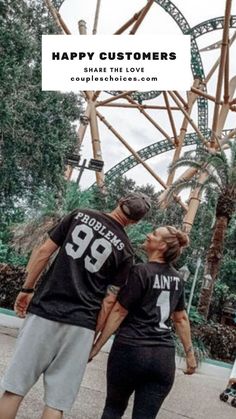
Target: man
95,256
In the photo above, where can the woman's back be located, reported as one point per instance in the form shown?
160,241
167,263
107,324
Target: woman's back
153,292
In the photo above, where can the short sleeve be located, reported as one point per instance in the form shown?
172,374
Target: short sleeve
59,232
181,302
132,292
122,274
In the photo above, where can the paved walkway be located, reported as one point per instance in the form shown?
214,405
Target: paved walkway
192,397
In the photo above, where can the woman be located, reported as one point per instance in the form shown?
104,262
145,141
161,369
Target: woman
142,358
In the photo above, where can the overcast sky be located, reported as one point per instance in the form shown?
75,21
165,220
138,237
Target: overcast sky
130,123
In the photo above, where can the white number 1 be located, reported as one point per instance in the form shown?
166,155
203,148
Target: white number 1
163,302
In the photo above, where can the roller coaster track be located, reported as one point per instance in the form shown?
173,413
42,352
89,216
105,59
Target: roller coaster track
211,25
190,139
196,61
148,152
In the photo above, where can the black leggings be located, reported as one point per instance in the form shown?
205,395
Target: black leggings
146,371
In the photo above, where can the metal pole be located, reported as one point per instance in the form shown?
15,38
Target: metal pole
223,59
140,108
181,99
126,105
214,67
57,17
194,202
128,23
82,27
111,99
204,94
82,128
187,115
194,283
96,144
82,167
138,158
96,17
171,119
192,97
141,17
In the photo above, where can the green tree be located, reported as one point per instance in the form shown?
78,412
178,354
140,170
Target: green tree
137,234
228,267
44,214
37,128
220,172
121,186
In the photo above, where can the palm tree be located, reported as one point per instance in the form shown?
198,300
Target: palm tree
216,171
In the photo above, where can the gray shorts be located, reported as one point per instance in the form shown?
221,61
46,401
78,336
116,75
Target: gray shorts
58,351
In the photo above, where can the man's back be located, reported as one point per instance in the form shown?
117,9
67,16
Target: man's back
94,252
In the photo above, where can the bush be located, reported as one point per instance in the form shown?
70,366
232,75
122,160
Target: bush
219,340
8,255
200,350
195,318
11,281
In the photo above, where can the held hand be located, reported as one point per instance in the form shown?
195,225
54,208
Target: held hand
93,353
191,364
22,303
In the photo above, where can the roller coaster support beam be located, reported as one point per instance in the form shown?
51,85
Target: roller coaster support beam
192,97
226,77
125,105
204,94
149,118
225,108
57,17
128,23
141,17
95,24
187,115
171,119
113,98
214,67
138,158
96,144
194,202
181,99
224,48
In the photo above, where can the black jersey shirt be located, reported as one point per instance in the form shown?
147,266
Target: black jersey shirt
94,252
152,293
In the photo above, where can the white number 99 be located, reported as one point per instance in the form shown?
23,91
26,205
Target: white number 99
100,249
